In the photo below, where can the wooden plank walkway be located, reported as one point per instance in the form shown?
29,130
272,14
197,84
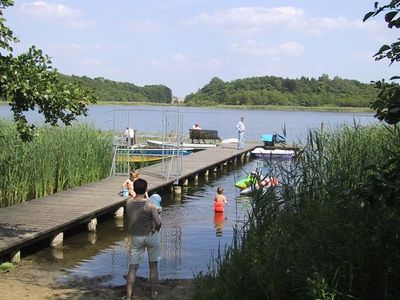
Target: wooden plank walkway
43,218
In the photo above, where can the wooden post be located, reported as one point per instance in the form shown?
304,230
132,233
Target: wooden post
92,225
119,213
16,257
177,198
177,189
57,240
196,179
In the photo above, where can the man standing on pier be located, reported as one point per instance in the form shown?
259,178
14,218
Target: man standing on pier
241,129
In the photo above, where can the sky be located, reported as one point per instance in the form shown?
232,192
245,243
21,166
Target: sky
183,44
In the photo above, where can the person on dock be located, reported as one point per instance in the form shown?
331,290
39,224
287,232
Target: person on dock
141,214
220,200
130,136
197,127
171,136
241,129
127,186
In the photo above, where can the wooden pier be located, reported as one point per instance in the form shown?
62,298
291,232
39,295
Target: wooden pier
49,217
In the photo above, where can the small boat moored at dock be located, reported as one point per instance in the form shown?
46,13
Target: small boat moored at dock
273,153
144,154
194,146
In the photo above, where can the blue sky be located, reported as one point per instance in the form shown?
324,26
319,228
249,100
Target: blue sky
184,43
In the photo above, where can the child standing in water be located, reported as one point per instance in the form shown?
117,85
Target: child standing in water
220,200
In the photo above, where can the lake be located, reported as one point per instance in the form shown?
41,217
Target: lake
149,120
191,233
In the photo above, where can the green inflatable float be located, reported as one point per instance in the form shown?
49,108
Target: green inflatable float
249,180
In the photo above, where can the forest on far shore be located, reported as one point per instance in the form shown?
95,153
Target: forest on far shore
272,90
108,90
266,90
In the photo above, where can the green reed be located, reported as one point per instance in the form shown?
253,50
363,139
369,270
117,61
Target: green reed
316,236
59,158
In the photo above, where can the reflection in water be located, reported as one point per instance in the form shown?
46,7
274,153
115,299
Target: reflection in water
190,233
92,237
177,198
219,223
57,253
119,222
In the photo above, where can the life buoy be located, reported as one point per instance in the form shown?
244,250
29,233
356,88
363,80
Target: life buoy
274,181
219,206
269,181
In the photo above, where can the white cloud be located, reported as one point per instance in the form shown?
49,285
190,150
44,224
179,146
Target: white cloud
74,47
254,19
172,61
179,60
147,26
57,13
42,9
251,47
179,57
91,62
251,18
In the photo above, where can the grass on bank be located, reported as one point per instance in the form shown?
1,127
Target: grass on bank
57,159
330,230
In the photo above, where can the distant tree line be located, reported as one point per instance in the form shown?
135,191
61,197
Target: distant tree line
271,90
108,90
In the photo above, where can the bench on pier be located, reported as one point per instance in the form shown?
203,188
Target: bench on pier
203,134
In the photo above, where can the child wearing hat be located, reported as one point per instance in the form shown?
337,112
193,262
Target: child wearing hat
156,200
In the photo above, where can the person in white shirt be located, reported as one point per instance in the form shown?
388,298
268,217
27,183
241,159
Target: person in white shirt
196,126
130,136
241,129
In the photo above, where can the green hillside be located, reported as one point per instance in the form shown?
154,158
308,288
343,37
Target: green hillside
108,90
271,90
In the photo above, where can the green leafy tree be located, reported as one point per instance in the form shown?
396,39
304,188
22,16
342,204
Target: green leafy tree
387,105
29,82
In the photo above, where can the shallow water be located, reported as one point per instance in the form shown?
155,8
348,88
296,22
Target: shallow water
191,235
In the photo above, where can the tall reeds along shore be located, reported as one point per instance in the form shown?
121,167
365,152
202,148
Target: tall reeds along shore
331,230
57,159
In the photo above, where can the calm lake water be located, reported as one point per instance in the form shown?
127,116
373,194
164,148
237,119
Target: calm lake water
191,234
149,120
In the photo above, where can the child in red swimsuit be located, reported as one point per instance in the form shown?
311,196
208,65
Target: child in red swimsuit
220,200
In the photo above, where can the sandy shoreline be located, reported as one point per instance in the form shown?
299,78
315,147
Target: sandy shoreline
28,281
